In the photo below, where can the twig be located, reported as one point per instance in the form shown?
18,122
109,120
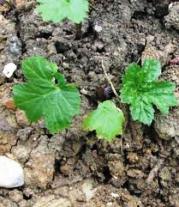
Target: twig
109,80
115,93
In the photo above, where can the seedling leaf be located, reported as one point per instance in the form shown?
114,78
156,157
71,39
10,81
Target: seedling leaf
107,120
41,97
142,90
58,10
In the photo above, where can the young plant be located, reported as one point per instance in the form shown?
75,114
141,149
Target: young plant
58,10
107,120
142,90
46,94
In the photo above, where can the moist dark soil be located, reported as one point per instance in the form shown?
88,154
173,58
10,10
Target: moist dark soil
74,168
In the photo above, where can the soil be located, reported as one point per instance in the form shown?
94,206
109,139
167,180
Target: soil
74,168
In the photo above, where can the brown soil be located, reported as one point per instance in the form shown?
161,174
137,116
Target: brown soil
73,168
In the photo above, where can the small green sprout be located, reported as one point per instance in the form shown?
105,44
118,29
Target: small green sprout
107,120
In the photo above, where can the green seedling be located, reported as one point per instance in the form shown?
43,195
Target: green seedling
59,10
107,120
46,94
142,90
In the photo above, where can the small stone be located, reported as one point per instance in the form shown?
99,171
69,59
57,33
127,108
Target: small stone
15,46
98,28
11,173
9,69
84,91
114,195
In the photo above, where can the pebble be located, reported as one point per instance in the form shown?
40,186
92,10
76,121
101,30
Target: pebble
9,69
15,46
98,28
11,173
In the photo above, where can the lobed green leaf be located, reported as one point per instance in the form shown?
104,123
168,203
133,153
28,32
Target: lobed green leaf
58,10
107,120
142,90
41,97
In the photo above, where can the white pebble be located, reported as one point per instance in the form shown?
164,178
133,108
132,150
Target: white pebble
98,28
114,195
11,173
9,69
170,5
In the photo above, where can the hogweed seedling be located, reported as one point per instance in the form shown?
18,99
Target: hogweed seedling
142,90
46,94
59,10
107,120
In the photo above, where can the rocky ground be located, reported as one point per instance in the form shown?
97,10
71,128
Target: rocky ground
73,168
